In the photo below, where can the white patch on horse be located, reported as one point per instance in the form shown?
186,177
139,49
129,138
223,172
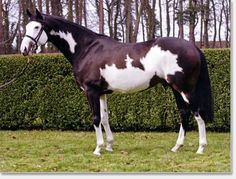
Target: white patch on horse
184,97
202,134
132,79
67,37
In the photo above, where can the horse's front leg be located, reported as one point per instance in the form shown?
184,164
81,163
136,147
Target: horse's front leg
93,99
105,122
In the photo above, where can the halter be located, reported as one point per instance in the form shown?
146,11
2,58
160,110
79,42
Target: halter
36,39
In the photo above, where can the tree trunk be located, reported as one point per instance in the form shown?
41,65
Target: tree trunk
180,20
115,31
206,22
173,18
85,13
202,19
137,22
128,20
56,7
192,6
220,23
6,27
78,11
1,30
40,5
160,15
47,6
215,27
167,18
70,10
101,17
226,14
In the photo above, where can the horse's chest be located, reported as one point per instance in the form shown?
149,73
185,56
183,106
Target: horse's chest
131,79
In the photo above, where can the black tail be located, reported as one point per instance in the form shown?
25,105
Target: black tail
203,92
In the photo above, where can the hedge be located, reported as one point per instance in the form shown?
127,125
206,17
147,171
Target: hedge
46,97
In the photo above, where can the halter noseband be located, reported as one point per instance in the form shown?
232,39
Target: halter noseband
36,39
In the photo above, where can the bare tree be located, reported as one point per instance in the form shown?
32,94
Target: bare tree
192,17
100,12
139,12
206,22
220,24
85,13
168,17
70,10
128,20
160,15
1,29
215,24
226,11
180,18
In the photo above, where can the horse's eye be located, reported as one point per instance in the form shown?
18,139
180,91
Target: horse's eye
37,27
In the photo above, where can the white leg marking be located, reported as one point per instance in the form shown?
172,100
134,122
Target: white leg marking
180,140
99,137
202,134
184,97
105,122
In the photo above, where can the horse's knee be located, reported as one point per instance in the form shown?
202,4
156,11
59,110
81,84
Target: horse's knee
96,120
104,119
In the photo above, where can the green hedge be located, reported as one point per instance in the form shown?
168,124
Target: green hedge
46,97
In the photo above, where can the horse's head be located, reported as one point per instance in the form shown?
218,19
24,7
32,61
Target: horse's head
35,34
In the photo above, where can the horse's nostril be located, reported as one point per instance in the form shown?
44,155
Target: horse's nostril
25,52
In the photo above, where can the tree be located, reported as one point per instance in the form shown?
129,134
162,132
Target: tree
226,11
192,17
139,12
100,12
70,10
150,19
215,25
128,20
168,17
205,23
160,15
180,19
1,29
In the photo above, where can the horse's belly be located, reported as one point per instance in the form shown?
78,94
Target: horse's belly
156,62
126,80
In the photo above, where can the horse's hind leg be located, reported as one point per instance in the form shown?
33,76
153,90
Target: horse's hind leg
184,116
199,116
105,122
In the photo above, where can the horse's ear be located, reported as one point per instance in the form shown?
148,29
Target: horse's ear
38,15
28,13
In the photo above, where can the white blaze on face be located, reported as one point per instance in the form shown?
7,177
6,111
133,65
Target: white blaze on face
132,79
32,29
67,37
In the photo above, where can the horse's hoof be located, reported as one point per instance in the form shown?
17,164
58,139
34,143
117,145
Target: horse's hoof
176,148
200,152
201,149
109,146
109,149
97,153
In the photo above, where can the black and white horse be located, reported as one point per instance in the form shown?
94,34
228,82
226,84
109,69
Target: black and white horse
101,65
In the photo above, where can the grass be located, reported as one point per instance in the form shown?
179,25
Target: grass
56,151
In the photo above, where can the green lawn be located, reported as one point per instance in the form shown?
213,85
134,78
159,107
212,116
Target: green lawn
56,151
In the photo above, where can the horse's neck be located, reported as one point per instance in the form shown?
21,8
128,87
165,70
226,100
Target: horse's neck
74,37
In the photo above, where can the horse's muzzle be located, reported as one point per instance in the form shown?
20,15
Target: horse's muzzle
25,52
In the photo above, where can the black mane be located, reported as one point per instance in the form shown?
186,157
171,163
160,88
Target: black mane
56,19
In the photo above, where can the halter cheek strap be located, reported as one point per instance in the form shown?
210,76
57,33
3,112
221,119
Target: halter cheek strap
36,39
